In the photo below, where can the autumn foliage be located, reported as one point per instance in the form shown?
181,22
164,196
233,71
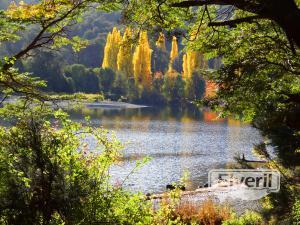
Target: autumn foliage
161,42
208,213
134,60
111,49
173,57
125,55
142,61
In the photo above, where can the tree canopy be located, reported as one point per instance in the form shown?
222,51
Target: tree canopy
257,40
258,79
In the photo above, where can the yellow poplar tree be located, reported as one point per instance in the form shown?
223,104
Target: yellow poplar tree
124,57
173,56
192,61
161,42
111,49
142,61
185,66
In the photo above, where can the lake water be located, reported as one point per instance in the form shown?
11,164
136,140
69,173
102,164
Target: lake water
177,140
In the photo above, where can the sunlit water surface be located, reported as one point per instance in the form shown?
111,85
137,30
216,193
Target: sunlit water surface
177,140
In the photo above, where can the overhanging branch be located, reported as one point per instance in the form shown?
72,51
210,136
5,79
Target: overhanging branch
186,4
234,22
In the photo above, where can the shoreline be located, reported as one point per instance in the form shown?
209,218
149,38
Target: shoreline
105,104
113,105
198,196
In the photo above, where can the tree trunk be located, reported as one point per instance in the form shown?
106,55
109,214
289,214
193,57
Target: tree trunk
287,15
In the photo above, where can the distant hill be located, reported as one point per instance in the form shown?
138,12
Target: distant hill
49,65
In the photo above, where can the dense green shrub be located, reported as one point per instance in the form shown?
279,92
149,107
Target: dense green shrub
49,175
296,212
249,218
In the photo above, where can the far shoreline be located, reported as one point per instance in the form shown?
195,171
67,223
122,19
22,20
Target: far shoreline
114,105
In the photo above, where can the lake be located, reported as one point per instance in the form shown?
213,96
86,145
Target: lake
177,140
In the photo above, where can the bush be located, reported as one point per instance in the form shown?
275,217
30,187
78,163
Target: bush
48,175
208,213
296,212
249,218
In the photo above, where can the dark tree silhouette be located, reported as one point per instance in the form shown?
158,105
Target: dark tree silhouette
284,12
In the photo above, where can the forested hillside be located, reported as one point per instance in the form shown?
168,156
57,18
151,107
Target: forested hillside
52,65
173,75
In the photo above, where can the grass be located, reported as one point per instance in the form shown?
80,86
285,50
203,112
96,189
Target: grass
208,213
79,97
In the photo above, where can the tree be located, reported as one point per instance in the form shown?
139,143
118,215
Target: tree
50,23
258,80
161,42
185,67
160,57
107,78
48,176
111,50
85,79
192,61
124,58
173,58
195,87
90,56
156,97
120,86
160,61
173,89
133,91
142,61
48,67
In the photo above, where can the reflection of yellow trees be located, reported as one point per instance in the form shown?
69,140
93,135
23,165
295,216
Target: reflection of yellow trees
234,133
186,119
140,122
186,122
142,61
186,129
233,122
111,49
117,124
124,58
